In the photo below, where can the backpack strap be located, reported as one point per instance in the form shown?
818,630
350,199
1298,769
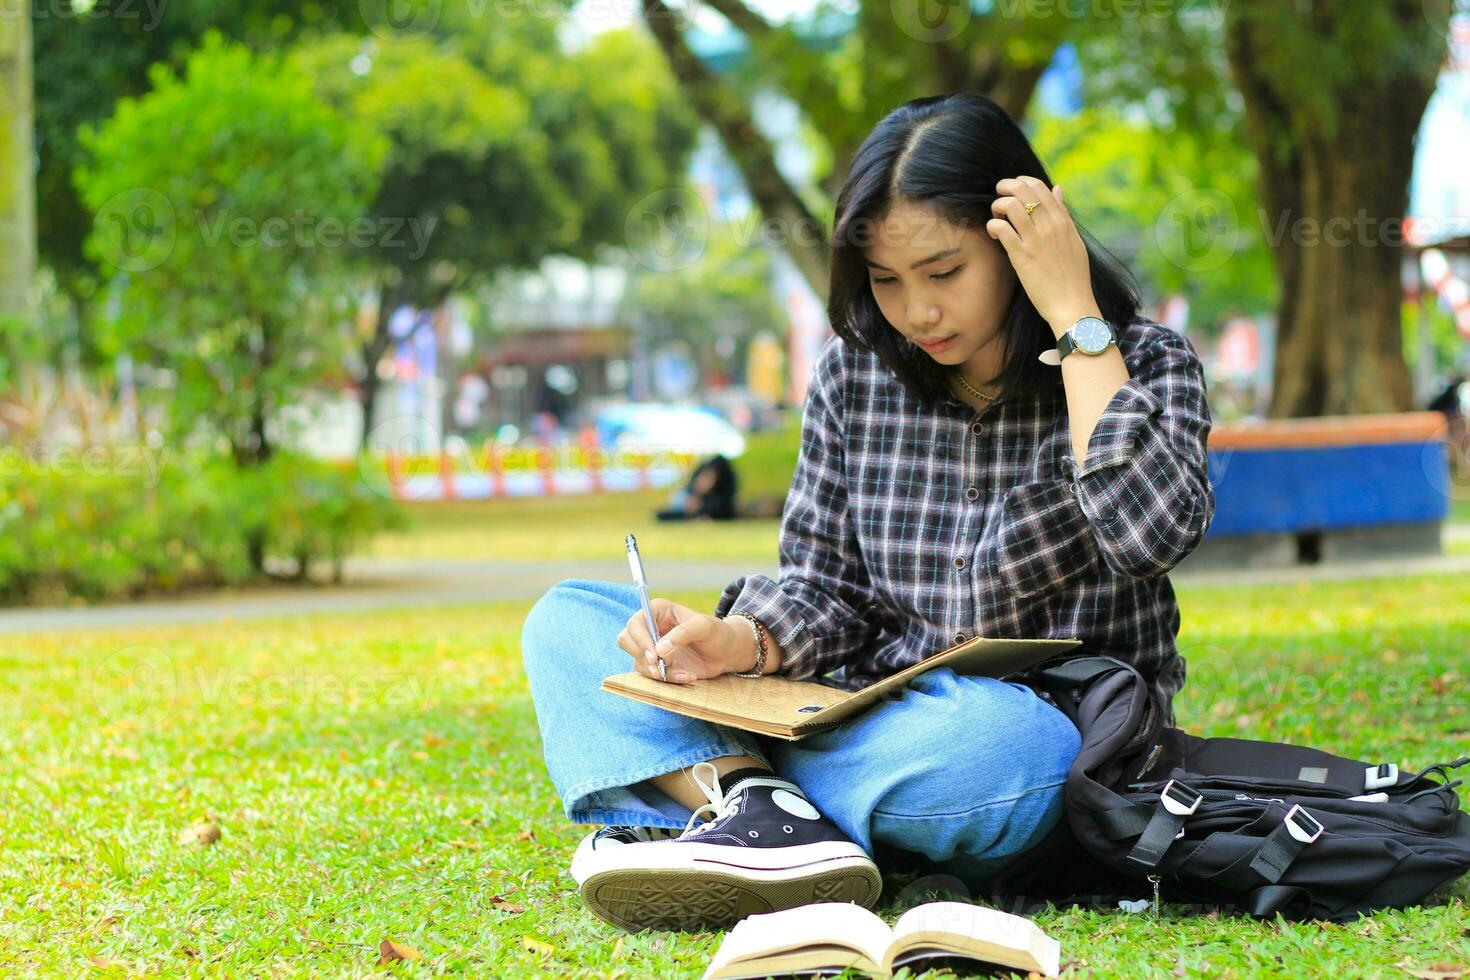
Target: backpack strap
1282,845
1264,902
1124,821
1177,803
1443,767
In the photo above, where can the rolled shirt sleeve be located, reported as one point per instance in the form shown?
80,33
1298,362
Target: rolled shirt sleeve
820,609
1144,486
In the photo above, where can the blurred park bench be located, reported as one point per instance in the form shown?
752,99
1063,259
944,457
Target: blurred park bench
1336,488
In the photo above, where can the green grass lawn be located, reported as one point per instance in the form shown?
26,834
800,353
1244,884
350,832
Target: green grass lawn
379,777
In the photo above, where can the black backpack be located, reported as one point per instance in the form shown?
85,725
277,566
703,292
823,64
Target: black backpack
1250,826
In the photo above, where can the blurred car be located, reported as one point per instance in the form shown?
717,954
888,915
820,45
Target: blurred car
676,428
747,411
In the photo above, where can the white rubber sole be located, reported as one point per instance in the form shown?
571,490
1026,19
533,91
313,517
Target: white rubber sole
691,886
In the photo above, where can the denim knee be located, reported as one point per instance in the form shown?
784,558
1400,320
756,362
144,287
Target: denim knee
545,627
539,626
955,765
994,787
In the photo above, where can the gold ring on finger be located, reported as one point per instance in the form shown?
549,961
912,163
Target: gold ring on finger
1032,206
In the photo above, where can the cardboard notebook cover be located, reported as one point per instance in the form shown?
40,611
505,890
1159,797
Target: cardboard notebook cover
784,708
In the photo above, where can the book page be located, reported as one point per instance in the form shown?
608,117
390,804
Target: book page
823,923
821,960
999,937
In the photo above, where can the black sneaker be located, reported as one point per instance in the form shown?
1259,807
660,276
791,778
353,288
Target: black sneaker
610,836
762,847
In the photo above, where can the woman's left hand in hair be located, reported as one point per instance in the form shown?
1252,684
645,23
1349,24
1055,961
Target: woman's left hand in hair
1045,249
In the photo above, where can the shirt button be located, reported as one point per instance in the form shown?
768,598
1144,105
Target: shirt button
972,493
959,562
977,427
960,637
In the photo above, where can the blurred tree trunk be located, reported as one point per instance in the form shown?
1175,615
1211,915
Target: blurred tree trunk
1334,136
725,110
369,385
17,164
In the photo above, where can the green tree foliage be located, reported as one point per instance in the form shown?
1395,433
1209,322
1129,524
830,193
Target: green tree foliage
90,54
227,195
725,292
504,148
1142,189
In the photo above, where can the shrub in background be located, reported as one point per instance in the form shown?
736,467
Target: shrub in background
109,535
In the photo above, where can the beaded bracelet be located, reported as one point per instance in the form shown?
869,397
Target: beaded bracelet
760,646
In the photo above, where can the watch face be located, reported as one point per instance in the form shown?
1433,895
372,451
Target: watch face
1092,334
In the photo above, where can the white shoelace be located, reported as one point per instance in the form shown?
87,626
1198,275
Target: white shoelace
721,802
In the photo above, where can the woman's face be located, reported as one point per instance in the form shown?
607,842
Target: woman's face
938,281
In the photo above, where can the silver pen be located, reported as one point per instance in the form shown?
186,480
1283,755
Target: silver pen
635,562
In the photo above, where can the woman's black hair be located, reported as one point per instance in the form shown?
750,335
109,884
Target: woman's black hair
946,153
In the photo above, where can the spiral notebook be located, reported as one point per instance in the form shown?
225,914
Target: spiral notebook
790,709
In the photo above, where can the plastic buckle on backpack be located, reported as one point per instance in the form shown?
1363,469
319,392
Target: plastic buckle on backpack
1180,805
1378,777
1302,825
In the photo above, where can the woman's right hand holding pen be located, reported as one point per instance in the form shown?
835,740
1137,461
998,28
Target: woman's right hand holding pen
694,645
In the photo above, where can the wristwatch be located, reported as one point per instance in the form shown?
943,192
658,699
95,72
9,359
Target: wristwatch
1091,335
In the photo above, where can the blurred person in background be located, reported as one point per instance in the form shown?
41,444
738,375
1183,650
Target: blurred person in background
709,493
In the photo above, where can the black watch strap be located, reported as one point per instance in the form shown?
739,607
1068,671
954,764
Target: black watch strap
1065,344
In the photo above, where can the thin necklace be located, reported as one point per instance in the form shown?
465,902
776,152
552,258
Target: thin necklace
971,388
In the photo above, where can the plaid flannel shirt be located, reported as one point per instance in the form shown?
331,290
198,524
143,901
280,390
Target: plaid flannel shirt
908,530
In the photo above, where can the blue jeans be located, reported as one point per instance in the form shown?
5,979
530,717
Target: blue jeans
960,774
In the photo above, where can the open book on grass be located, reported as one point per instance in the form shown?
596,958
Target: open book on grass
790,709
829,937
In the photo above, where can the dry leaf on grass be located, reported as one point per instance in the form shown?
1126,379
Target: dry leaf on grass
505,905
537,946
202,834
102,963
1439,971
391,952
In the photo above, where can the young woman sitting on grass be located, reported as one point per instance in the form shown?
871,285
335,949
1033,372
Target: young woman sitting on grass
938,496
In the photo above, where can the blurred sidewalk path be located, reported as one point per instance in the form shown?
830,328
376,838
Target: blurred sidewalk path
379,583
